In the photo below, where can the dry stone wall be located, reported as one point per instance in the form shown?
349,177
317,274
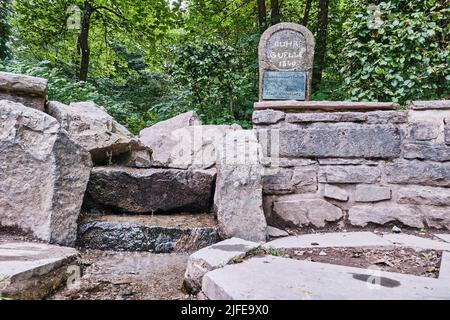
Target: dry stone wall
357,168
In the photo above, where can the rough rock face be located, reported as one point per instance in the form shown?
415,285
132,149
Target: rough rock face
298,213
362,215
346,141
158,233
160,139
43,174
96,131
152,190
30,91
238,198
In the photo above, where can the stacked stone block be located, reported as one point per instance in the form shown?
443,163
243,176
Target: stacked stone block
357,168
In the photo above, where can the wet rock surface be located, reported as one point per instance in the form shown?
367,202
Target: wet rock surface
158,234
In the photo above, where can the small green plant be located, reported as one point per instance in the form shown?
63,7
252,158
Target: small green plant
274,252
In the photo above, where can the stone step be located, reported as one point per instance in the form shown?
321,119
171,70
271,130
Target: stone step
142,191
34,270
274,278
157,233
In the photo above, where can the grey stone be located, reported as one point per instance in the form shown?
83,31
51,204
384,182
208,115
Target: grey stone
160,139
396,229
29,91
444,269
200,146
96,131
213,257
32,271
384,117
152,190
326,117
349,174
424,131
273,232
443,236
418,172
340,106
447,130
336,193
44,174
267,116
436,217
426,151
420,195
158,233
362,215
371,193
408,240
341,161
238,199
341,140
296,180
426,105
362,239
296,57
275,278
298,213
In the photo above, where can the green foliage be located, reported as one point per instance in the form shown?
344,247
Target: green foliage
274,252
153,59
216,79
5,29
125,102
402,55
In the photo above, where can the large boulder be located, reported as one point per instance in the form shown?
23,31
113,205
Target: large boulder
96,131
238,198
151,190
30,91
43,174
165,143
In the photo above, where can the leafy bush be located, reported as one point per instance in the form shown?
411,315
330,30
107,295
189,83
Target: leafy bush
218,80
398,51
127,102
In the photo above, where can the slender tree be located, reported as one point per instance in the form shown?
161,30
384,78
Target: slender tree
321,40
274,11
262,14
5,28
306,12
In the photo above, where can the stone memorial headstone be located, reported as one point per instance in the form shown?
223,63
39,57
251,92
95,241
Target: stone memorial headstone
286,54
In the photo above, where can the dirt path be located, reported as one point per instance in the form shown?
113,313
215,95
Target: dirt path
128,276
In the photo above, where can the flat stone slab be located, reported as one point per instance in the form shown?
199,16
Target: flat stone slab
331,240
444,270
299,106
407,240
443,236
33,270
213,257
275,278
159,233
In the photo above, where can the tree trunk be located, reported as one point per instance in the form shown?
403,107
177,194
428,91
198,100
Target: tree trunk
274,11
321,43
306,13
262,14
83,42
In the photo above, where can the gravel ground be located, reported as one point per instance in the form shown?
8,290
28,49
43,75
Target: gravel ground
128,276
408,261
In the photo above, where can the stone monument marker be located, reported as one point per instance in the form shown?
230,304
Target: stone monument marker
286,54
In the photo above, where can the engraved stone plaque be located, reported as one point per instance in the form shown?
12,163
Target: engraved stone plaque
285,49
290,85
286,54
